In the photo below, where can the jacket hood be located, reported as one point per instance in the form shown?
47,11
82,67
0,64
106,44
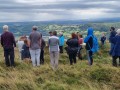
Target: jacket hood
90,31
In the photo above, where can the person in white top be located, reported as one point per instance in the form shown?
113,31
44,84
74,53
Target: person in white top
20,43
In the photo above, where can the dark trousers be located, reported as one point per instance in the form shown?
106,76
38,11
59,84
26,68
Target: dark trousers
114,60
90,59
61,49
42,57
9,56
72,58
79,53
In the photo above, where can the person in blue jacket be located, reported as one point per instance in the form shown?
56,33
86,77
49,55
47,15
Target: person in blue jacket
115,52
89,44
61,42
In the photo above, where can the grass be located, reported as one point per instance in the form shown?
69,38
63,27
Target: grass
101,76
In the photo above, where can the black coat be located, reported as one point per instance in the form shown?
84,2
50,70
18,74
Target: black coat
72,45
25,52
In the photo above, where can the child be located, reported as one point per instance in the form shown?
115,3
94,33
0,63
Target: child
25,51
43,44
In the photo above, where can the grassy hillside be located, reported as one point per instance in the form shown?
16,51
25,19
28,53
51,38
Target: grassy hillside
100,76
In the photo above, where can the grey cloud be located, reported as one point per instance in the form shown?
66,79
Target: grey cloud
62,8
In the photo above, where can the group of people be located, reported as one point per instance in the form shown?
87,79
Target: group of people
31,48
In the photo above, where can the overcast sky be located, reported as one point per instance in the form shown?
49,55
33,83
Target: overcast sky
46,10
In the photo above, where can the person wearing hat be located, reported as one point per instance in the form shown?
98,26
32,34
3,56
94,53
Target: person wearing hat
35,46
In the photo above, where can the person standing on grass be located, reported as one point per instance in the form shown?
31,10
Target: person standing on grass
115,52
80,41
53,44
61,42
43,44
112,34
89,44
72,48
20,44
8,44
103,39
35,45
25,51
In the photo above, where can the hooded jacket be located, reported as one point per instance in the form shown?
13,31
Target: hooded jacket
116,49
61,40
89,40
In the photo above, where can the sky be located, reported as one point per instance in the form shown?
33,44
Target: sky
50,10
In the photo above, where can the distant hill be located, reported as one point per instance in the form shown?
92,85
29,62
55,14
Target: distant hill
24,28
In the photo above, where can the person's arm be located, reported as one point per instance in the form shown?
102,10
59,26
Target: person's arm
2,41
14,43
113,39
44,44
86,39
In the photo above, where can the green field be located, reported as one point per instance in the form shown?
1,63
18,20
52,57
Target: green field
101,76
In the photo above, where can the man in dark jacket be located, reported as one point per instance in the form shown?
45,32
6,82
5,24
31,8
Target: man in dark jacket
112,34
115,52
8,44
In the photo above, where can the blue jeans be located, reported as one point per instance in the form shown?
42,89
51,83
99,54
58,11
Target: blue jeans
35,57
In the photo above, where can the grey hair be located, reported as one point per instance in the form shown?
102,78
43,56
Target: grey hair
118,31
5,27
34,27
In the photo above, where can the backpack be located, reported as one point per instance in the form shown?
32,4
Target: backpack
95,47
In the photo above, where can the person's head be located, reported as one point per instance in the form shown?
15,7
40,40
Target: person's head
50,33
90,31
118,32
61,33
112,29
73,35
21,38
103,34
77,33
26,41
5,28
54,33
34,28
80,36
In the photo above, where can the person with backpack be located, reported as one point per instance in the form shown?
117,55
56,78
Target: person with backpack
103,39
72,48
115,52
91,45
61,42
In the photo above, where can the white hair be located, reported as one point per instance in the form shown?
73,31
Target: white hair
5,27
118,31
